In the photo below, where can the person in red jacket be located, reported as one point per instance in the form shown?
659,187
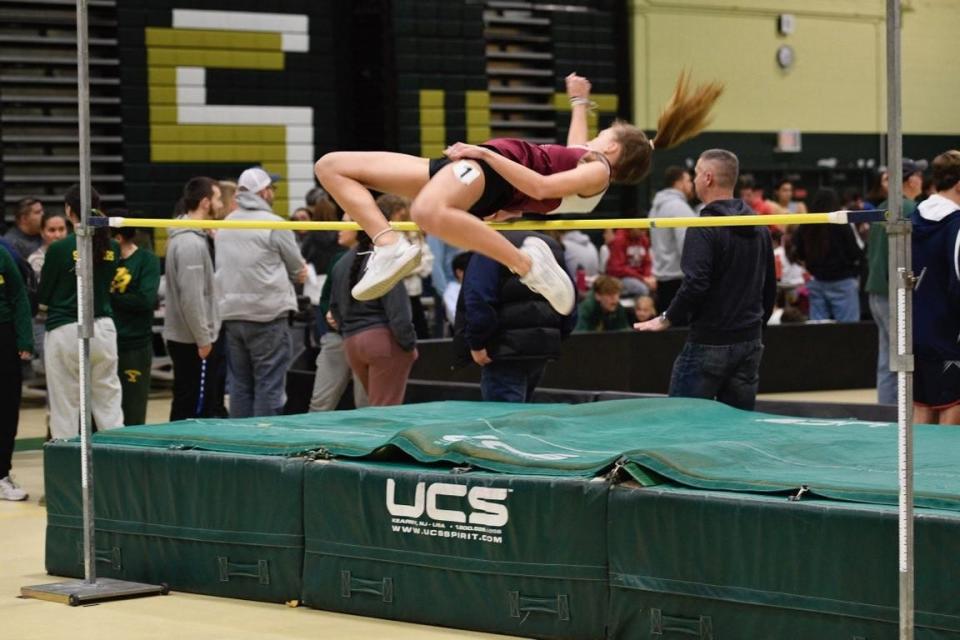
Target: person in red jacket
631,261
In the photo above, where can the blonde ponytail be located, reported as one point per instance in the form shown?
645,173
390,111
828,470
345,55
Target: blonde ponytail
686,114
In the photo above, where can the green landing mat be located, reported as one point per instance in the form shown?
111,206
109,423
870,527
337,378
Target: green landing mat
212,523
518,554
710,564
696,443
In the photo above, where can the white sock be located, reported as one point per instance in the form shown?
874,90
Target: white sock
388,250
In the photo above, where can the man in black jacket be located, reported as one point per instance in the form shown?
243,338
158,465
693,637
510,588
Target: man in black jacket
727,295
511,331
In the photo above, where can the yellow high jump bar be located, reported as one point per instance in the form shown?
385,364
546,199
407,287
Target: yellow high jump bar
833,217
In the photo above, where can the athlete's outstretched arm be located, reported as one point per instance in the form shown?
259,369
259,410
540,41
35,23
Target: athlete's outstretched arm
578,90
586,179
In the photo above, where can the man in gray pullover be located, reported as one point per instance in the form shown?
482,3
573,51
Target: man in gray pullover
667,244
191,319
255,271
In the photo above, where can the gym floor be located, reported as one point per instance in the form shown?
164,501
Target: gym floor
181,616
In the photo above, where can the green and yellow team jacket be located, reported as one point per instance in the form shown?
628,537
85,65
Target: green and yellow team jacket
133,295
58,282
14,305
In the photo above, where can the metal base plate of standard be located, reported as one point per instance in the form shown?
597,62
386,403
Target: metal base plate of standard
77,592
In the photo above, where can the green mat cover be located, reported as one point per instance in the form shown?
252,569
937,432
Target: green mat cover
226,525
697,443
688,563
523,555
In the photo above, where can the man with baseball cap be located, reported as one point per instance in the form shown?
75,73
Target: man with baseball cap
256,269
255,180
876,286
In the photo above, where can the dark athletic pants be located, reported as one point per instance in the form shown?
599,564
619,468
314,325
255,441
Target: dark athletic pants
133,367
186,381
10,381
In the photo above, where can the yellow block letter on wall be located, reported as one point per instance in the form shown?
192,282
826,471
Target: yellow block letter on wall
184,127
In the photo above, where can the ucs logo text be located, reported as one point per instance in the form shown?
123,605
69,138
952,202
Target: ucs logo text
484,502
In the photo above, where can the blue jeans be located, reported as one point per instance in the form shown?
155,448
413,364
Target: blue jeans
320,326
729,373
634,287
510,381
837,299
258,358
886,379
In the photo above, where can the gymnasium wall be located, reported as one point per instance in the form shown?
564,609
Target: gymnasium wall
210,88
834,93
441,79
837,82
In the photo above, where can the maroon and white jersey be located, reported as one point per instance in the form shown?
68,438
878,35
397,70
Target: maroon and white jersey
545,159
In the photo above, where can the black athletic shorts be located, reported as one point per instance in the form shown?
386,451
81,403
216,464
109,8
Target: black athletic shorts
936,383
497,192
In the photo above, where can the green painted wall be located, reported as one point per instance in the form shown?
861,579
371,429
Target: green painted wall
837,83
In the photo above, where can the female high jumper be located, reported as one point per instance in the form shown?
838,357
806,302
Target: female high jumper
500,179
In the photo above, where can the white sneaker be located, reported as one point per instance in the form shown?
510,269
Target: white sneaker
10,490
547,277
387,266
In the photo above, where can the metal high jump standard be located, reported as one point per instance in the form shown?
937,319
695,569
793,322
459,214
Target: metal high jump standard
90,589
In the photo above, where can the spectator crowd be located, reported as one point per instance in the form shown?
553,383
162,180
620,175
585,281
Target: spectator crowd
228,298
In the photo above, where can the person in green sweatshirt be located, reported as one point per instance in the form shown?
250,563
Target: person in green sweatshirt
58,296
16,345
601,309
876,286
133,295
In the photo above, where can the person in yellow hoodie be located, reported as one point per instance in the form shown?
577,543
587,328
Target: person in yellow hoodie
133,295
58,296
